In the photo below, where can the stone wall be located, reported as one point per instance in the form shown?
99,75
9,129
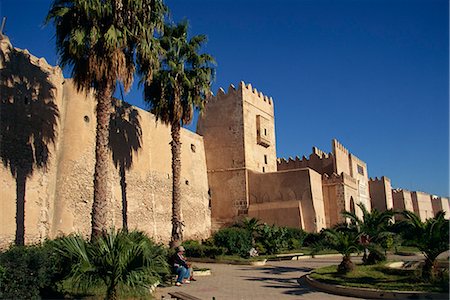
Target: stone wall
287,198
440,203
381,193
422,205
58,193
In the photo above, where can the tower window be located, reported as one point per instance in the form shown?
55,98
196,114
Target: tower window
265,159
265,131
360,170
264,169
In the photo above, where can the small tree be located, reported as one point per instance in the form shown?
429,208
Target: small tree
373,228
252,226
431,237
345,242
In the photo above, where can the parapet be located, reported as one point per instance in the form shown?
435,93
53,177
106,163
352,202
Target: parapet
320,153
241,87
381,179
6,47
336,144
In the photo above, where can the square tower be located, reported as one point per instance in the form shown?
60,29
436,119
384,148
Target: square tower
238,130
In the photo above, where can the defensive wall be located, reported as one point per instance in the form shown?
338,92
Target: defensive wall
381,193
229,169
47,190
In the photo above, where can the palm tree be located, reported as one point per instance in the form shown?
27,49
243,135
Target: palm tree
175,91
345,242
252,225
431,237
373,229
122,259
98,40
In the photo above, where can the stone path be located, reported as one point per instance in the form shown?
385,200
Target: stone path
275,280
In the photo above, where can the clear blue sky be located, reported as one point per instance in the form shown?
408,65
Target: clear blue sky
372,73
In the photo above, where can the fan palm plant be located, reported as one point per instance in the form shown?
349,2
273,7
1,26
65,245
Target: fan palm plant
373,228
178,88
345,242
115,259
431,237
252,225
98,40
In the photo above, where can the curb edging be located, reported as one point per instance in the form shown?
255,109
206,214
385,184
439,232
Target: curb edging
370,293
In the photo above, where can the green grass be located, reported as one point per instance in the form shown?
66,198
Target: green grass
378,277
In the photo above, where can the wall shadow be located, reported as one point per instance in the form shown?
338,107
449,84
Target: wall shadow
125,139
28,120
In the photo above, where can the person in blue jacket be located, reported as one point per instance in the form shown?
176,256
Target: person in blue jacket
181,267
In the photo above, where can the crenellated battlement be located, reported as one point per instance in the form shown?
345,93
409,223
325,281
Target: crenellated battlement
320,153
6,47
255,92
241,87
338,145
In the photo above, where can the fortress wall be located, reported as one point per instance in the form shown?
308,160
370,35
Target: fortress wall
145,183
341,154
259,130
358,170
440,203
381,193
288,198
222,126
422,205
59,197
31,91
318,160
402,200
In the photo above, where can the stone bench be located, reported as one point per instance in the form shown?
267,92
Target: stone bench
289,256
182,296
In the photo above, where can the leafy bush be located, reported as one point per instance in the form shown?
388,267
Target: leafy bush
234,240
312,238
29,272
195,249
295,237
273,238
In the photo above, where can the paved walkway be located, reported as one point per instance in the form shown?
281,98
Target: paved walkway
275,280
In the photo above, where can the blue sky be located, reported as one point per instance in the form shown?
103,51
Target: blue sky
372,73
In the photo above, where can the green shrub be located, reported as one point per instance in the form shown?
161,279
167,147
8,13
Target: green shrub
29,272
195,249
295,237
234,240
273,238
312,238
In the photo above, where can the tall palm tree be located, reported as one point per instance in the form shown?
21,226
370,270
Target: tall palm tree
175,91
431,237
98,40
373,229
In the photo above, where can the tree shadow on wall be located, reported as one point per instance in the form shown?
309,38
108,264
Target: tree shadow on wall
125,139
28,120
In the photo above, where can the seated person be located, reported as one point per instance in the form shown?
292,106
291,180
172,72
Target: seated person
181,267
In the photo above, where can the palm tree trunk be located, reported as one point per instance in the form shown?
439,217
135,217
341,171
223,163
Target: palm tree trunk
177,229
123,187
101,191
